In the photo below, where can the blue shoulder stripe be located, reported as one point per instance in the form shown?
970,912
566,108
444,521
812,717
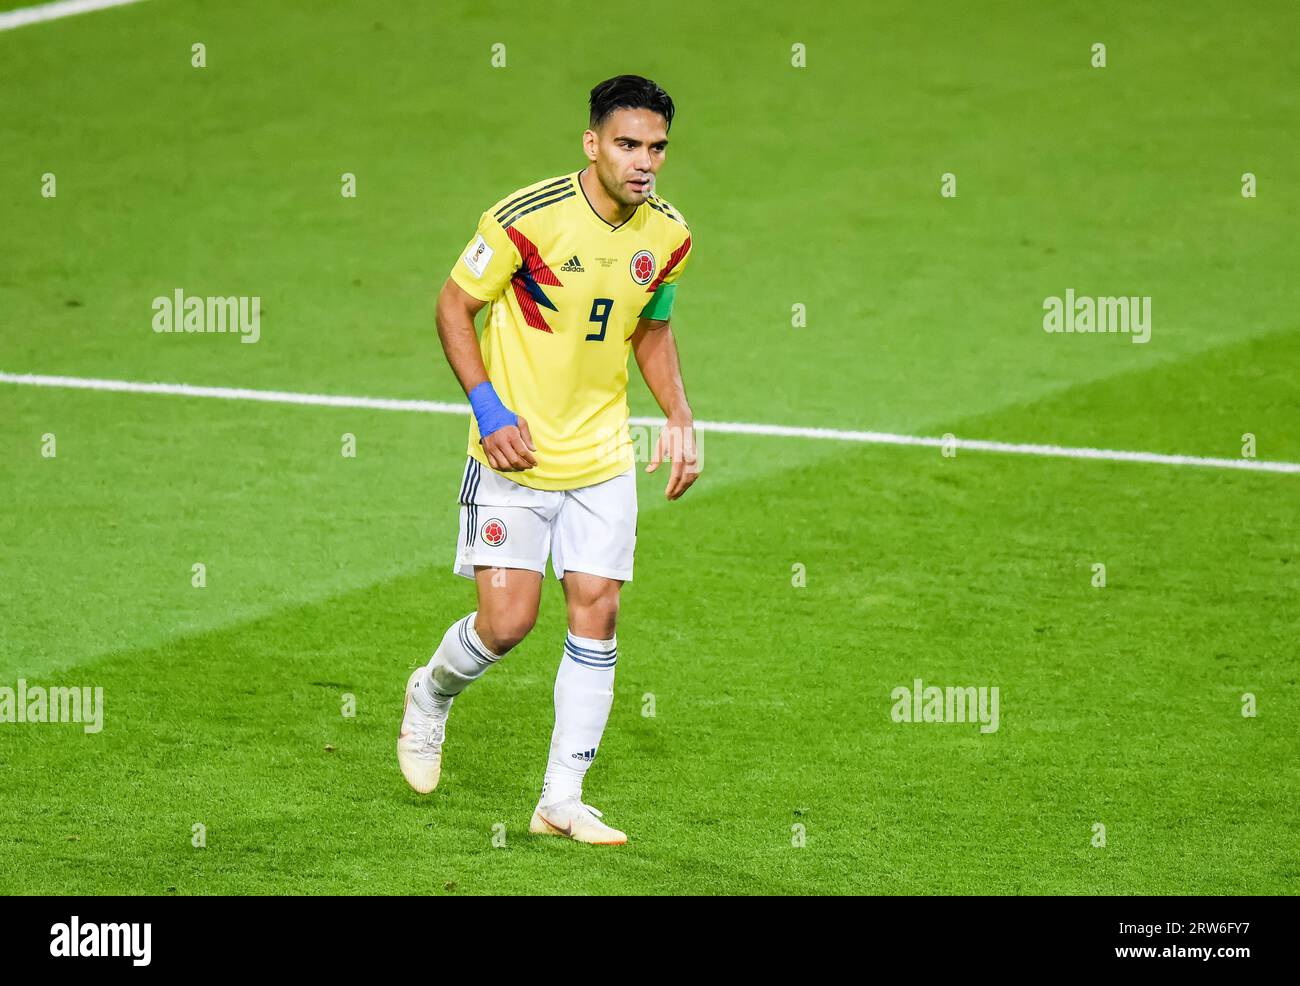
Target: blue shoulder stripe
659,205
519,199
518,214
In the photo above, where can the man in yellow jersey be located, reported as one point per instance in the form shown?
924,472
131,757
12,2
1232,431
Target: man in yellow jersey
576,271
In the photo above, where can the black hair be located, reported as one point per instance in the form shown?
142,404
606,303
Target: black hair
629,92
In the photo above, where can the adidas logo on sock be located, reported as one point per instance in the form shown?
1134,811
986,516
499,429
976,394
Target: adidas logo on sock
588,755
573,266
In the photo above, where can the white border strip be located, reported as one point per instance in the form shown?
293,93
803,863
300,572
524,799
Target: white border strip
23,16
732,427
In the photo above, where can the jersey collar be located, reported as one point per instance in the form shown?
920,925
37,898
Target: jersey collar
596,217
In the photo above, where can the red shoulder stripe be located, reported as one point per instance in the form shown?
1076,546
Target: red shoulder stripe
673,261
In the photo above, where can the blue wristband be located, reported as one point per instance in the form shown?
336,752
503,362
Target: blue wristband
489,412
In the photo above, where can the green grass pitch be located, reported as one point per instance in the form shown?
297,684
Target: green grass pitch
327,576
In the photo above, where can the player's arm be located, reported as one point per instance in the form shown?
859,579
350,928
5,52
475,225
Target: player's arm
456,311
656,355
480,275
506,439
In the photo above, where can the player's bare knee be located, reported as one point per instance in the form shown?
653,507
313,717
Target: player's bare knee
516,627
595,617
505,631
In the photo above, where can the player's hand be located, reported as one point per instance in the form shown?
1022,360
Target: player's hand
510,449
677,445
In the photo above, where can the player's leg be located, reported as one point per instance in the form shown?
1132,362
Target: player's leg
584,694
504,540
594,542
507,609
508,599
584,683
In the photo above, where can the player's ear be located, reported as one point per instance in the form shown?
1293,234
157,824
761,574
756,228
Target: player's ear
590,141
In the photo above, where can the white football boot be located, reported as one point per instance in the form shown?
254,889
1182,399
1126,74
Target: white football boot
574,820
419,742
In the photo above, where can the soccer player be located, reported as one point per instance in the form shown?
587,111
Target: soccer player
576,272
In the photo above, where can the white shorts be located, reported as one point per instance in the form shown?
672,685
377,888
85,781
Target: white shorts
504,524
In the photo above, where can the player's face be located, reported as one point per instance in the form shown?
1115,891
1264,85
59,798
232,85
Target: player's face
627,151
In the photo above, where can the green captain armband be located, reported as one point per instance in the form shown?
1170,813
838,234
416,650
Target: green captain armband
660,305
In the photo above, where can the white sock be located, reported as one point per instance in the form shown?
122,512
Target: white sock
459,660
584,692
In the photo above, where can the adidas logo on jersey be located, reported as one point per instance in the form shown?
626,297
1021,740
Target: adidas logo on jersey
588,755
573,266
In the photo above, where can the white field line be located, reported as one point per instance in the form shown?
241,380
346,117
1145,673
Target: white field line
23,16
732,427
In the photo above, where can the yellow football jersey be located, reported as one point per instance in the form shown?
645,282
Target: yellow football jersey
565,290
